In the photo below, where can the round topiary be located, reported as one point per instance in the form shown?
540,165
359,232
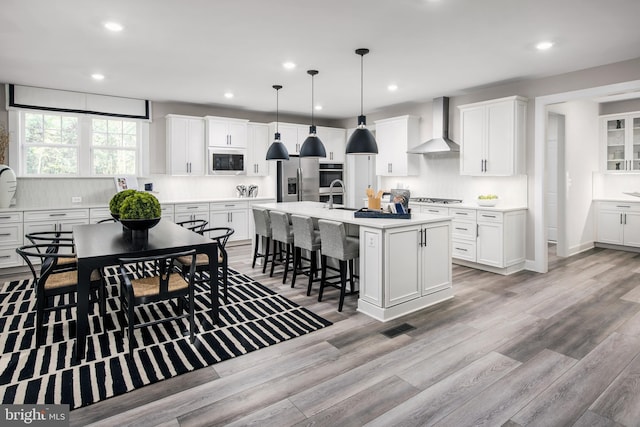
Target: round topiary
117,199
140,205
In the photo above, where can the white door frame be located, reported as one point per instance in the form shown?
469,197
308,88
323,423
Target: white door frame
541,259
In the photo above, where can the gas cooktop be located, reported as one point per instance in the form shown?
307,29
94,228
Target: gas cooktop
435,200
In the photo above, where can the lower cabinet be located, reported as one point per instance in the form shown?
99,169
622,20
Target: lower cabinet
191,211
412,274
618,223
11,237
231,214
490,240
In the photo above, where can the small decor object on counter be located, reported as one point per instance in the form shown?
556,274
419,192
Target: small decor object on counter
487,200
241,190
368,213
374,200
253,190
8,185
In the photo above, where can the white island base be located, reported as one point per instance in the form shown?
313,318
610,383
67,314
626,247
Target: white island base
405,264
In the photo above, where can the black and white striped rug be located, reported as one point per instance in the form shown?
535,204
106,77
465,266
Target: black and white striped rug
254,318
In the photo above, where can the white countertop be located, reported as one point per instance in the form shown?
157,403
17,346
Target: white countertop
317,210
465,205
19,207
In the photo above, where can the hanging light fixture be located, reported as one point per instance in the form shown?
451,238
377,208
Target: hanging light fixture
277,150
362,140
312,146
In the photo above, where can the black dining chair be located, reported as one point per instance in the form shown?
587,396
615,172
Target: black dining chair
42,237
156,279
195,225
221,236
53,280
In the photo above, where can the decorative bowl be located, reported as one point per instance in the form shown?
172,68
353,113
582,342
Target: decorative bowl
115,216
140,224
487,202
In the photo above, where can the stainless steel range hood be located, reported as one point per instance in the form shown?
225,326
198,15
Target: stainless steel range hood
440,143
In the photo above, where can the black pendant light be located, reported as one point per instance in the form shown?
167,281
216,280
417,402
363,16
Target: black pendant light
312,146
362,140
277,150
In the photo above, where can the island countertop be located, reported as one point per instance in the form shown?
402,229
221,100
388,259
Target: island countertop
318,210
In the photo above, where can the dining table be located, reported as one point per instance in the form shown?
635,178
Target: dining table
101,245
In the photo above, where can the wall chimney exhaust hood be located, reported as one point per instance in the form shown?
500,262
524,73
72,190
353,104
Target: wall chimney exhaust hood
440,143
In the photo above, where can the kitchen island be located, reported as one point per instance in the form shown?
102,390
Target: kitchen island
405,264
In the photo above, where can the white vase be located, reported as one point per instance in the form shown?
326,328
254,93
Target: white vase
8,184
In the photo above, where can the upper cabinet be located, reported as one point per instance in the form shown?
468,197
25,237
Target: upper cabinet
334,140
225,132
185,145
292,135
395,136
620,136
492,137
257,145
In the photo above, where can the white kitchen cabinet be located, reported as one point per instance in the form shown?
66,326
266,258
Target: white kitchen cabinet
258,142
413,274
226,132
334,140
185,145
98,214
492,137
231,214
434,210
292,135
620,142
618,223
11,237
191,212
394,137
489,239
53,220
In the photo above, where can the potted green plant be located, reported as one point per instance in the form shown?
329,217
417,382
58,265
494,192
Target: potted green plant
116,202
140,206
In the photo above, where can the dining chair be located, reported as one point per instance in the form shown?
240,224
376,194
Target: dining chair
221,236
39,237
195,225
156,279
53,281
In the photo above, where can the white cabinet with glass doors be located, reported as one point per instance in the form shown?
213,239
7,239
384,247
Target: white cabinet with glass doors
620,135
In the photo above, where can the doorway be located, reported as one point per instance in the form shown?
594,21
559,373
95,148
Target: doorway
555,184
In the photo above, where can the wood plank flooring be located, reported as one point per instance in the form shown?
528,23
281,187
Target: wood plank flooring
555,349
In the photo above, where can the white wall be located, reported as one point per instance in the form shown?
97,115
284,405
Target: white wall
580,162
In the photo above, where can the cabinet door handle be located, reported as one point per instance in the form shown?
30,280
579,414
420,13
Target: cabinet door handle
5,234
460,228
461,213
477,231
625,219
461,249
58,214
481,165
424,230
389,167
488,216
5,256
433,210
620,218
623,206
5,217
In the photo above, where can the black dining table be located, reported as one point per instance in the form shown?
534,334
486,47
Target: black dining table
101,245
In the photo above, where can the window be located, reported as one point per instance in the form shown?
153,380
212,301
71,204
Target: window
66,144
114,146
50,144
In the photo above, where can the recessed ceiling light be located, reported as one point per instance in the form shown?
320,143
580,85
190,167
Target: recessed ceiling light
113,26
289,65
228,95
97,76
544,45
318,107
392,87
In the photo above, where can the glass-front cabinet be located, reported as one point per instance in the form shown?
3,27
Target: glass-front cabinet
621,142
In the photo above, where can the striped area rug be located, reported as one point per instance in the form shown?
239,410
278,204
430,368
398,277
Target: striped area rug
254,318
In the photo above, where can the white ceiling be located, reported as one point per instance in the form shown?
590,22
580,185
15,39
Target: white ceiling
195,50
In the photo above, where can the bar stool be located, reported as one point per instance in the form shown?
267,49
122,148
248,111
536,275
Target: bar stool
281,233
336,244
307,238
262,223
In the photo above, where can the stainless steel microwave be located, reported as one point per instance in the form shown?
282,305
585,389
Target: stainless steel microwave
226,162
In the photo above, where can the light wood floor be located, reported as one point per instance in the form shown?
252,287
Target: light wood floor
555,349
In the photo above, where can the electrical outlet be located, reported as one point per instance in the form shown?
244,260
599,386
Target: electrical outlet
76,199
371,242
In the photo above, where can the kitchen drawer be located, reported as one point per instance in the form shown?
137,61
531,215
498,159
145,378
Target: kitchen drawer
435,210
190,208
225,206
489,216
463,230
464,249
98,214
616,206
6,217
468,214
56,215
11,235
166,210
9,258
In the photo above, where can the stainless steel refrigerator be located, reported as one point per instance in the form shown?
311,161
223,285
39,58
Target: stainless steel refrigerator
298,179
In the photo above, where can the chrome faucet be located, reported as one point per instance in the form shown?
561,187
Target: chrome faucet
334,182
